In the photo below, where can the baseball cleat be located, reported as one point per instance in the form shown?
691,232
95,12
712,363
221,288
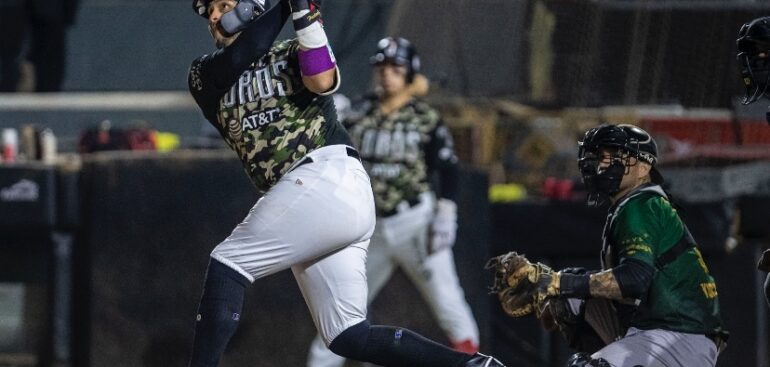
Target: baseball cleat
481,360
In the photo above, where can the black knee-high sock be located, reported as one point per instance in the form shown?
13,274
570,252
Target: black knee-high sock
394,347
218,313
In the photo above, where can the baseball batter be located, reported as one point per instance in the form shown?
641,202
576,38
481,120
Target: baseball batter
270,102
403,143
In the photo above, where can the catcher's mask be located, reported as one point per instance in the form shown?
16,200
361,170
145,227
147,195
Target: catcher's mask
621,142
243,12
754,57
398,51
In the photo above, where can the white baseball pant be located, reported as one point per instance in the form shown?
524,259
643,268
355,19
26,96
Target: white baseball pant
317,220
400,240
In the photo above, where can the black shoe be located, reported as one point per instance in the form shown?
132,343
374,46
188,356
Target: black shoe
481,360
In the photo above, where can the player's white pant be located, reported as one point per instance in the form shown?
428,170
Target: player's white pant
317,220
400,240
659,348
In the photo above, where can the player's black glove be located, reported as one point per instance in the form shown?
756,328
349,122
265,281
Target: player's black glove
244,12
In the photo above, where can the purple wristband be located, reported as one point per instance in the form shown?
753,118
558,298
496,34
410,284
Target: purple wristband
315,61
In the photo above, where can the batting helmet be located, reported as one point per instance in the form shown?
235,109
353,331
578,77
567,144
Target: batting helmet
630,142
259,6
754,57
399,51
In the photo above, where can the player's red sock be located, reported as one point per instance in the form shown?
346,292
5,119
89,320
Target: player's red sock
466,346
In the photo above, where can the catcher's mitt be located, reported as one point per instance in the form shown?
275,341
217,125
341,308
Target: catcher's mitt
516,284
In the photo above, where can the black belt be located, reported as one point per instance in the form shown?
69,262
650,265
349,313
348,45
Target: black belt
350,152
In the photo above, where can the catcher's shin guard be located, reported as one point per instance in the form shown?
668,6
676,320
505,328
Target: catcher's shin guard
481,360
585,360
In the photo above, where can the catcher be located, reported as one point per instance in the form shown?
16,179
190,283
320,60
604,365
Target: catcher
653,303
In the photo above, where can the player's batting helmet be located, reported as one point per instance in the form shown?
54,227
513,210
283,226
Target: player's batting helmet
754,57
257,6
629,139
398,51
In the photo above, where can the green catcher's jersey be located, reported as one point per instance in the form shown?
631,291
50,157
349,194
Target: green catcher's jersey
683,296
268,117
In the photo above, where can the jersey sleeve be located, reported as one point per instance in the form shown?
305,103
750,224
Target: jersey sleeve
442,162
637,231
337,82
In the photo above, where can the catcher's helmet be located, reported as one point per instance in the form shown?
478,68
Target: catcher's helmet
628,141
259,6
398,51
754,57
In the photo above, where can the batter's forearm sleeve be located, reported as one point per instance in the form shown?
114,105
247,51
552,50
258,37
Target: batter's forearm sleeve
227,64
634,278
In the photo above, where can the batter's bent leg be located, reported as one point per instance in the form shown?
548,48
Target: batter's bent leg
320,355
394,347
218,313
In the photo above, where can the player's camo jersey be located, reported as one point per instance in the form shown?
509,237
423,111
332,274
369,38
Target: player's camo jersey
268,116
400,151
683,295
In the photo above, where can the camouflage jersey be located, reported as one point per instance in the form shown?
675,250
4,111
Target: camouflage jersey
267,116
682,296
401,151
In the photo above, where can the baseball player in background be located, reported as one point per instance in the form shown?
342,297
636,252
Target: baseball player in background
404,145
754,61
270,102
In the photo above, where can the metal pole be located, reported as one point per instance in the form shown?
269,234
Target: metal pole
761,304
62,298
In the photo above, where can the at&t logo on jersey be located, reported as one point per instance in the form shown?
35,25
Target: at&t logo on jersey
260,118
252,121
